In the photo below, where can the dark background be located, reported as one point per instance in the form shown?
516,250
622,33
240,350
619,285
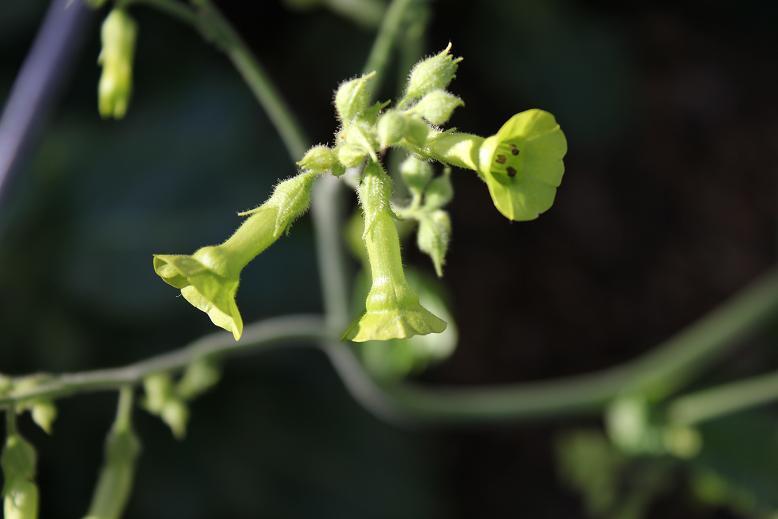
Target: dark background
667,207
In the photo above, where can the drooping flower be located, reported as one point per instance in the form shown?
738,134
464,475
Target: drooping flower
209,278
392,308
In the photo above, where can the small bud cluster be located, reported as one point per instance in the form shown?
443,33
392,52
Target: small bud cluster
169,400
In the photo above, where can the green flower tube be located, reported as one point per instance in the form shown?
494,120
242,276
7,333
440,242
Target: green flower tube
118,33
20,493
392,308
122,447
522,164
209,278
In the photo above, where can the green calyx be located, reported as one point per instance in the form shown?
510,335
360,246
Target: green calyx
209,278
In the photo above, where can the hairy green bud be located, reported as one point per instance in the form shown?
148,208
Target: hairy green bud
416,173
433,237
318,159
353,97
439,192
437,106
391,129
433,73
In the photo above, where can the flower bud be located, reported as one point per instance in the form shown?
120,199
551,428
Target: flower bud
632,428
433,73
44,412
416,174
19,490
353,97
115,88
159,389
209,278
391,129
392,307
19,458
433,237
21,500
439,192
200,376
175,414
318,159
437,106
351,155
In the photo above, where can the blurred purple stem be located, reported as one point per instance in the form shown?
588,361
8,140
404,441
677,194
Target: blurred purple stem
39,82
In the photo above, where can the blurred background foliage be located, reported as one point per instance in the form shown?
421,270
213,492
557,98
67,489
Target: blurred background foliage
668,206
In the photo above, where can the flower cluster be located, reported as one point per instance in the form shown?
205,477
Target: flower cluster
521,165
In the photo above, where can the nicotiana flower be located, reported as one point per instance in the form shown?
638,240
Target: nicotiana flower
392,308
522,164
209,278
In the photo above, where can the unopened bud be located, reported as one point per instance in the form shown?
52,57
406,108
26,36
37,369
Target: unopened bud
416,173
118,37
353,97
318,159
433,73
437,106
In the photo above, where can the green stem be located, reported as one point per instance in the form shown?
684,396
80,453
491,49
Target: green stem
659,372
387,35
214,27
10,420
259,336
124,408
719,401
172,8
254,74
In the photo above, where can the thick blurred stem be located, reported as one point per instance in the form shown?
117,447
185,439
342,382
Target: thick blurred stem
719,401
39,81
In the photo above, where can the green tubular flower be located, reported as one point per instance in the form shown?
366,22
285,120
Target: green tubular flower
392,307
118,34
209,278
521,164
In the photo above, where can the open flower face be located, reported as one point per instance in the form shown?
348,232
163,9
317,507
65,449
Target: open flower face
522,164
206,283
